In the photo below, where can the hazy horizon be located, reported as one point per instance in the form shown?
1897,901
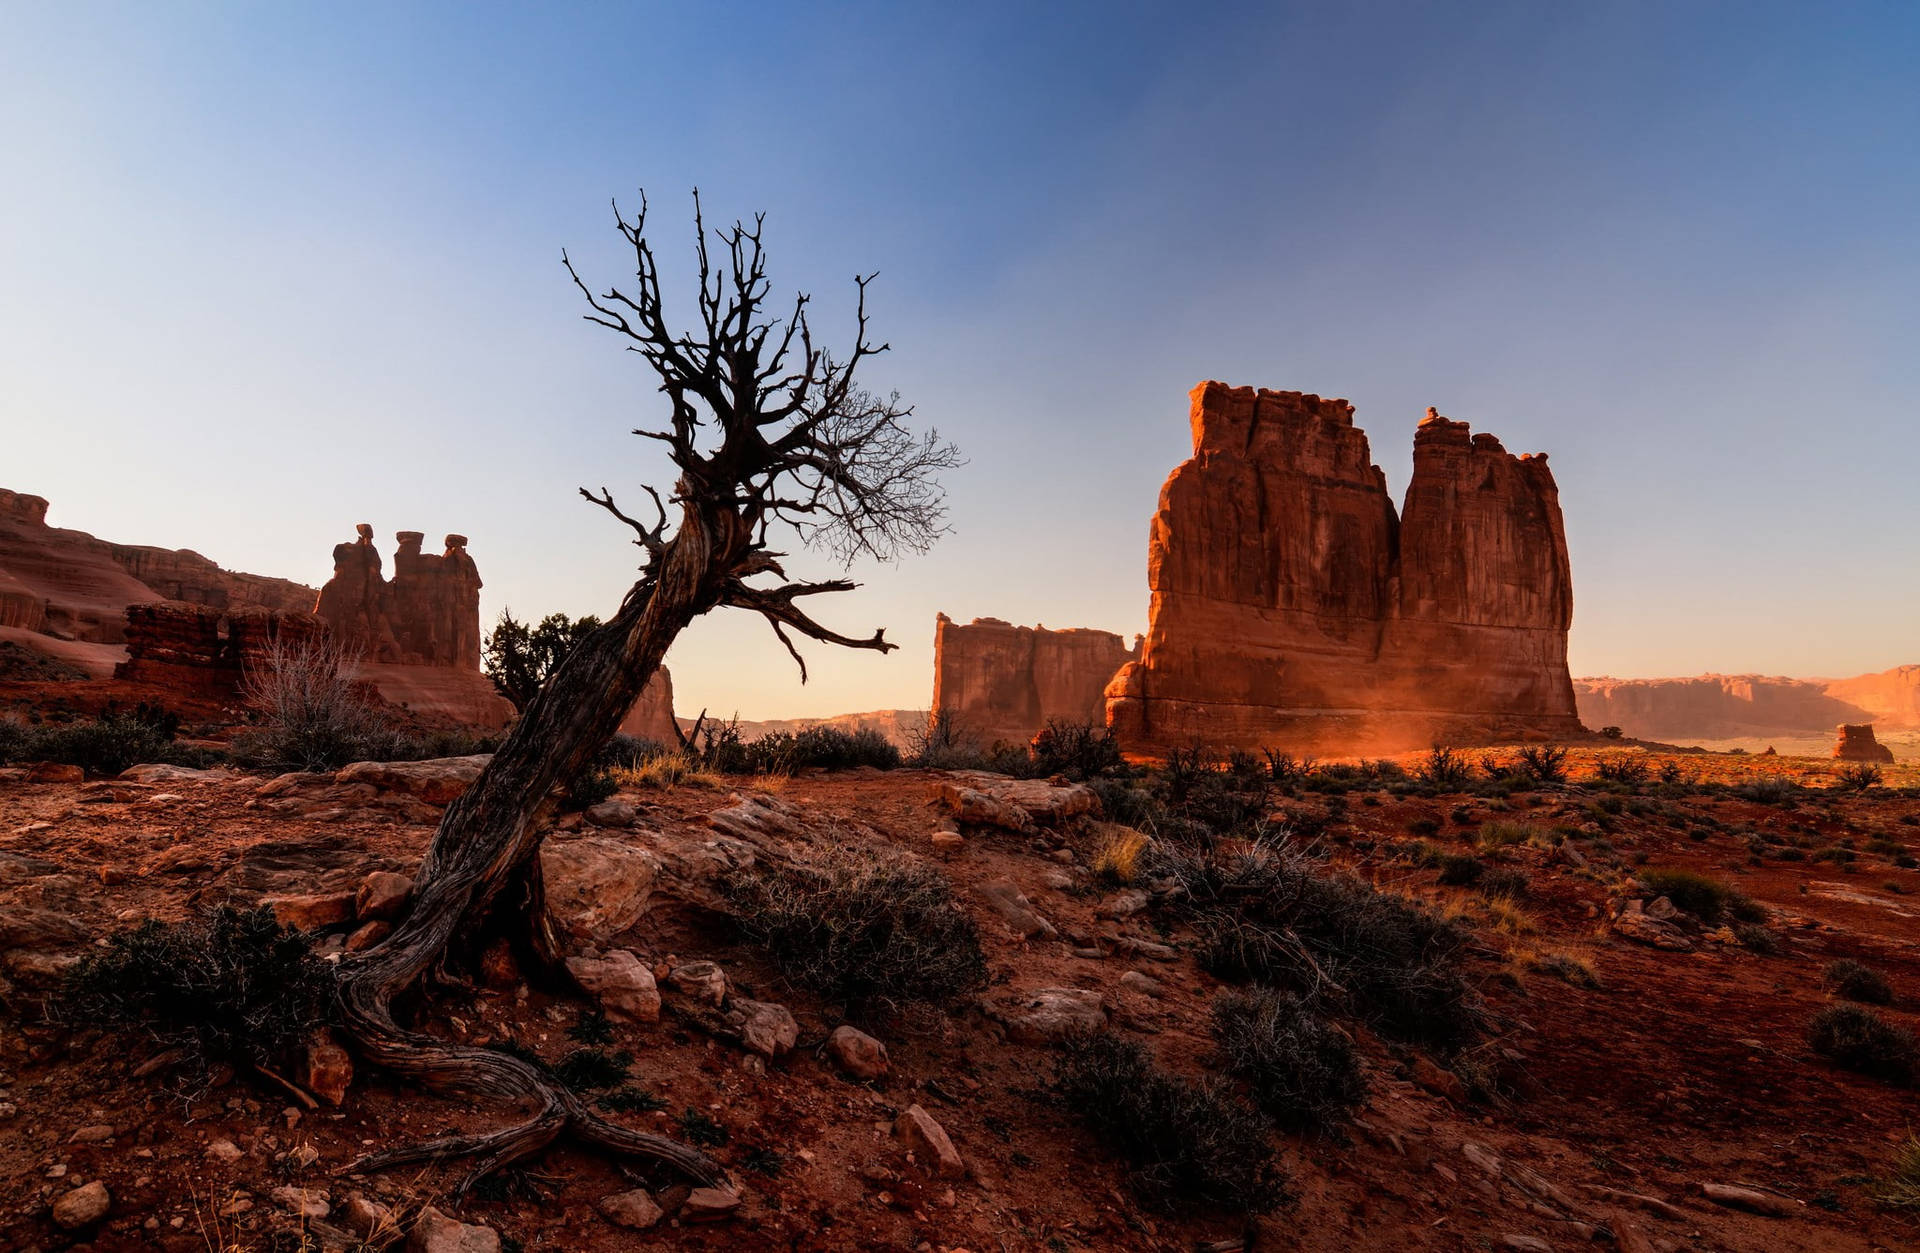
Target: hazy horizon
272,273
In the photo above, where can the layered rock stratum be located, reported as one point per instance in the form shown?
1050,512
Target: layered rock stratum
1292,607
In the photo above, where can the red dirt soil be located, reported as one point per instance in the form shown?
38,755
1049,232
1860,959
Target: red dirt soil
1678,1069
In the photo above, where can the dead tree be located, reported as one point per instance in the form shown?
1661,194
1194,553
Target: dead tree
771,436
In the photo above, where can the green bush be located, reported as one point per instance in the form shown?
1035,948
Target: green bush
231,986
1302,1070
1860,1040
862,929
1856,982
1460,870
1184,1142
101,746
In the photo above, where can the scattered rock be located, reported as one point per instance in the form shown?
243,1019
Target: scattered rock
1439,1081
306,1202
1661,909
97,1133
857,1053
635,1209
437,781
613,813
1525,1244
622,985
706,1205
366,1217
1015,909
55,772
224,1151
368,935
434,1232
1750,1199
946,843
764,1027
703,982
383,894
596,887
82,1207
929,1142
1641,929
1123,904
1145,985
311,912
328,1069
1052,1014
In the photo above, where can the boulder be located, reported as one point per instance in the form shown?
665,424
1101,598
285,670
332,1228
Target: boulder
311,912
764,1027
613,812
1040,800
596,887
620,983
434,1232
436,781
857,1053
327,1068
707,1205
1050,1015
160,772
701,982
928,1141
1642,929
1014,909
82,1207
635,1209
383,895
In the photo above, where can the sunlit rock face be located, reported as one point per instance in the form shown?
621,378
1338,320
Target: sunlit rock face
994,681
1293,608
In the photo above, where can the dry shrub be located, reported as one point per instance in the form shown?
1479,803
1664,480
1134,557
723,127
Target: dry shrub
1118,861
230,986
1185,1142
1269,914
1303,1071
1900,1188
1855,982
1704,897
1860,1040
315,716
665,772
861,928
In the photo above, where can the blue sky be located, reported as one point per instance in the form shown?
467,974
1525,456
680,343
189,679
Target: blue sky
269,271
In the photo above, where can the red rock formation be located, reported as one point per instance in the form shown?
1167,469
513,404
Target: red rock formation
71,586
428,615
1716,706
1292,608
204,651
651,717
1857,743
998,681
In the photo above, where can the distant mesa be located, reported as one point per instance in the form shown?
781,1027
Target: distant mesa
1292,607
1721,706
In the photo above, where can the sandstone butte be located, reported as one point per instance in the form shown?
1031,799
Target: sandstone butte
998,682
1293,608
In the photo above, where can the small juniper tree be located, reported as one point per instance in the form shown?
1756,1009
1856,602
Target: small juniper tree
772,437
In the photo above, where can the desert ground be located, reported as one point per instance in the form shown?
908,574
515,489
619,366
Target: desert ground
1640,1075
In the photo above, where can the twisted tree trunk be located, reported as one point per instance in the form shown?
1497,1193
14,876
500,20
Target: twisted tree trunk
483,863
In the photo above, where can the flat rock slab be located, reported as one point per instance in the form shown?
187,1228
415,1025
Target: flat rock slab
989,799
1050,1015
1014,909
436,781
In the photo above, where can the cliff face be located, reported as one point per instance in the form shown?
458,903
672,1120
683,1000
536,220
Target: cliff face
69,585
651,717
997,681
1292,607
